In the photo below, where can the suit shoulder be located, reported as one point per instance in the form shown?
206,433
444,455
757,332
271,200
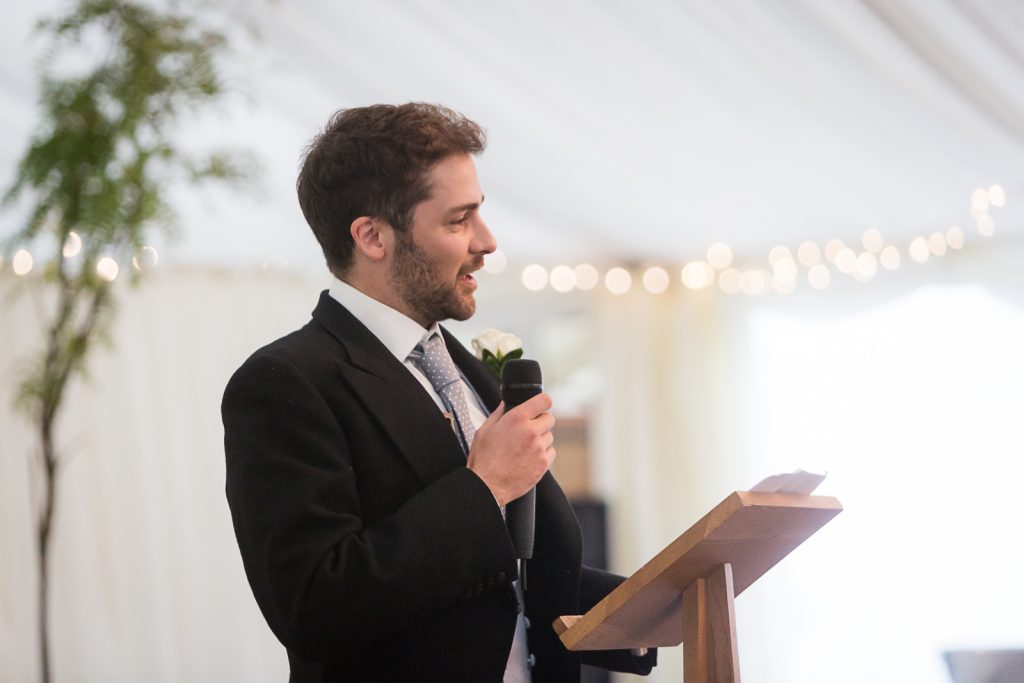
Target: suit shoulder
308,351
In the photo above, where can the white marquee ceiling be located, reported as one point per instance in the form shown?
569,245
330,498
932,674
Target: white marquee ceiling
638,131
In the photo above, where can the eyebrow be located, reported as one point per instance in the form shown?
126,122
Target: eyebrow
466,207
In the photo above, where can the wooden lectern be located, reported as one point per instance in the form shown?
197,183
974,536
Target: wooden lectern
684,594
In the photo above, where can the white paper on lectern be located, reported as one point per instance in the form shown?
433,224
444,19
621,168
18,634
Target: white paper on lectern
799,482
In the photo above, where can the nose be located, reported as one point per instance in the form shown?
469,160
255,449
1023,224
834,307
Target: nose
483,240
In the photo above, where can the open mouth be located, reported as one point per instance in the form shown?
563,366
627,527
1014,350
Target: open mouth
467,275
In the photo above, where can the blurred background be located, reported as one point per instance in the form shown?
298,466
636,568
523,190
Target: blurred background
741,238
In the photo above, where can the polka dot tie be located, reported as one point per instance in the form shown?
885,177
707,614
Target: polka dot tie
432,358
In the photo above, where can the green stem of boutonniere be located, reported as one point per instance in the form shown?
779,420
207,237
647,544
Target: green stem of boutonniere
497,362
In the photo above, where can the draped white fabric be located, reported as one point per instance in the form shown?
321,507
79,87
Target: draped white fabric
919,429
620,130
147,583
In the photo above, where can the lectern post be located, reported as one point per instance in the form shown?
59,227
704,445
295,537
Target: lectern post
709,629
685,593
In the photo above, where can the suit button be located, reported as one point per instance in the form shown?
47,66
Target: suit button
532,660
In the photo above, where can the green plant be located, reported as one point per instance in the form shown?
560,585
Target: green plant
96,172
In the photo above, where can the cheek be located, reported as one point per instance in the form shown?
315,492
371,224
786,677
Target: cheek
455,253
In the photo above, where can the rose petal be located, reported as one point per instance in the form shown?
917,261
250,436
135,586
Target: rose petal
488,339
509,342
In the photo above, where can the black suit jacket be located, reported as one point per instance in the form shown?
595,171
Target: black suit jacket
373,552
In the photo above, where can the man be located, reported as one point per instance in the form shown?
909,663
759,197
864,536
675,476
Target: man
367,497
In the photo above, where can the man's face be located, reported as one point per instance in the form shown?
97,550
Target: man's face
434,260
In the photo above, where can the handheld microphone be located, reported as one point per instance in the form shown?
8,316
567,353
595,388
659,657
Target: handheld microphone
520,381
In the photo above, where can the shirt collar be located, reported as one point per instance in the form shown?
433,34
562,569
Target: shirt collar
399,333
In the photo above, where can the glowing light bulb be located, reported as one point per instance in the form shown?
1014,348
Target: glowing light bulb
21,263
107,269
618,280
562,279
937,243
535,277
779,252
979,200
697,275
146,259
846,260
495,262
866,267
955,237
832,249
918,250
656,279
587,276
730,280
785,269
819,277
873,241
809,254
997,195
720,255
72,245
890,258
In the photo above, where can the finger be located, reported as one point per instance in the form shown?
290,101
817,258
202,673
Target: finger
498,412
534,406
544,422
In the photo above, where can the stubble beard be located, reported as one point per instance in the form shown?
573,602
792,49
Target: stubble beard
423,289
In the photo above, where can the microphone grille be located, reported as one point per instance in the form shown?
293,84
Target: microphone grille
521,371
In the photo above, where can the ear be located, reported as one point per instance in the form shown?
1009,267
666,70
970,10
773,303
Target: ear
372,237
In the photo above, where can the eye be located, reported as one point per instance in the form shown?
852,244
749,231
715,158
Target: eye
462,220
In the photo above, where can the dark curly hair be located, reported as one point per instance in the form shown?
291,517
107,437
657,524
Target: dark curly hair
374,161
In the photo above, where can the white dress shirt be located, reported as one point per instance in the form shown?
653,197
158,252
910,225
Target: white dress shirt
400,335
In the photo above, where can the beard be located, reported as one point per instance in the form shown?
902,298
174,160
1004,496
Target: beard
418,281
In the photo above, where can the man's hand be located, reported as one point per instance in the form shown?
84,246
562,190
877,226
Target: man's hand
512,451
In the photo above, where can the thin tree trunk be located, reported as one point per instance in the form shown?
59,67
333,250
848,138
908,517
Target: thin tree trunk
48,412
58,368
44,546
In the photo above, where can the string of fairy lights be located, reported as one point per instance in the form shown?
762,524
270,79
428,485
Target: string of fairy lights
780,272
107,267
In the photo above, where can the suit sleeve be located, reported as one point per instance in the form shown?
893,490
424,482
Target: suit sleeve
322,578
594,586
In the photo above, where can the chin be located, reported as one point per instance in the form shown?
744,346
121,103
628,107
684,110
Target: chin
463,310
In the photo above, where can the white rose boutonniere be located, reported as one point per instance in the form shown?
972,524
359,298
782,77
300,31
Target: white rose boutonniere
494,347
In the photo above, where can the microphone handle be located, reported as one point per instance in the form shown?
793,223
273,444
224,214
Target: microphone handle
520,514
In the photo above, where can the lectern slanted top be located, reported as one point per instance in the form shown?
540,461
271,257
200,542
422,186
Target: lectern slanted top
751,531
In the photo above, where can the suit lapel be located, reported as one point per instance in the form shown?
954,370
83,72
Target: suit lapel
392,395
